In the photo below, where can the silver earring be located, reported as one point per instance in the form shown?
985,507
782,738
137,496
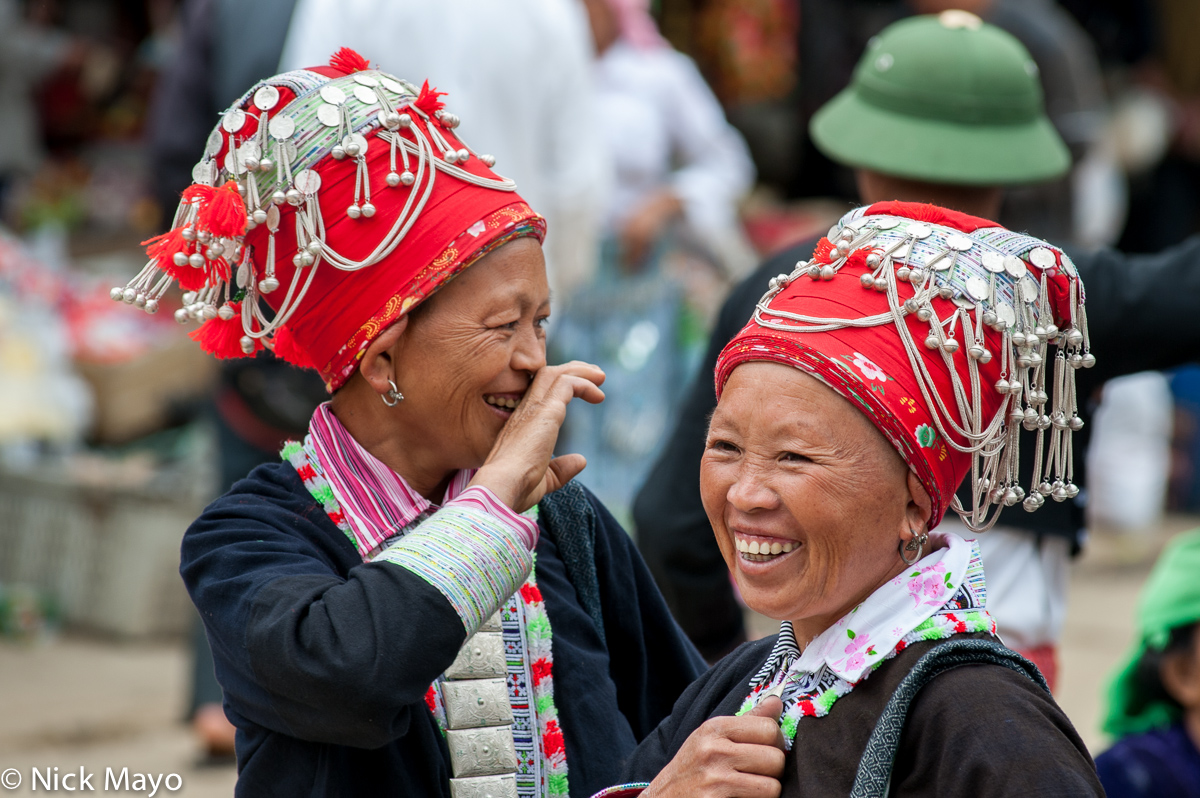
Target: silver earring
915,544
392,397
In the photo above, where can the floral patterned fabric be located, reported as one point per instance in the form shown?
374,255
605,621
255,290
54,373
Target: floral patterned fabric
942,595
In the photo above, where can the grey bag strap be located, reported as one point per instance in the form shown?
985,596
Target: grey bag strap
571,521
874,776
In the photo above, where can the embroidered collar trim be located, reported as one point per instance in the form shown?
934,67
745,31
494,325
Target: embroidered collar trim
942,595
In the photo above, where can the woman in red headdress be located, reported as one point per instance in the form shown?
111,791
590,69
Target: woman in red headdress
377,621
907,356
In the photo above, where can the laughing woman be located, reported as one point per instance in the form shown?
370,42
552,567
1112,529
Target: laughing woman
417,600
869,383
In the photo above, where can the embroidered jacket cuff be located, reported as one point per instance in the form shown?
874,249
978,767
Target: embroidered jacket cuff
481,498
475,558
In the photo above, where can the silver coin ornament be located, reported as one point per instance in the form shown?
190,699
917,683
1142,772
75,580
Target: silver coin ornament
286,150
329,115
1015,267
1006,313
1029,289
993,261
919,230
1042,258
214,143
205,173
365,95
307,182
332,95
392,86
959,242
266,98
884,222
1068,266
273,218
233,164
977,288
281,127
234,120
363,79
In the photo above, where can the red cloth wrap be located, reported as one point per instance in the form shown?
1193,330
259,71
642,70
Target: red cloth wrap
849,360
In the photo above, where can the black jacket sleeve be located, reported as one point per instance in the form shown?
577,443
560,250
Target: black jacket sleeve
307,642
651,660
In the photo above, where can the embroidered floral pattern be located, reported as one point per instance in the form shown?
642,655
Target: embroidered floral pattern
927,436
868,368
304,460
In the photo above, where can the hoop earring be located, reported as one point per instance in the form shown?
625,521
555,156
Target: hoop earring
392,397
915,544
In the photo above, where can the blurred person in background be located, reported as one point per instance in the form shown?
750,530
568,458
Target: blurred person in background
520,73
931,152
1153,701
259,403
29,52
373,606
671,244
1085,207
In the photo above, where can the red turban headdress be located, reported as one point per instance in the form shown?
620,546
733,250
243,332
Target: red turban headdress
341,198
939,327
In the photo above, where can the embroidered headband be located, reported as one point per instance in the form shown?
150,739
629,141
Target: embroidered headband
938,326
319,197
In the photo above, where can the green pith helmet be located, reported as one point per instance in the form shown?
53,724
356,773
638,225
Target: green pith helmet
944,99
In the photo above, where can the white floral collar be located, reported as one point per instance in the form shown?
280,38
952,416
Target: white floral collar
943,594
871,630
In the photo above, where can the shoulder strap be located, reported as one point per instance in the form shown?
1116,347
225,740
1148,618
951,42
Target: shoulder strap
874,776
571,521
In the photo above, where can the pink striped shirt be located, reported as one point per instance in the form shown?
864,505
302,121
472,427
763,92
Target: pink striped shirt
378,503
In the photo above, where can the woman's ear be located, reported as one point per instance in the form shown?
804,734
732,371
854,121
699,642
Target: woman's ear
919,512
378,364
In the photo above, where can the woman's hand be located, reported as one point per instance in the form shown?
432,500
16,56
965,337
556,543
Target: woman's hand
521,468
727,758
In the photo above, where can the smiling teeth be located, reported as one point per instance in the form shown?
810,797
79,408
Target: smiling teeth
754,547
498,401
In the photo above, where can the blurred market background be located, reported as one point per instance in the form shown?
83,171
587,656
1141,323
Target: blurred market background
110,419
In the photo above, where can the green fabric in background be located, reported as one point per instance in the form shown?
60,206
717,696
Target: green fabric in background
1170,599
944,99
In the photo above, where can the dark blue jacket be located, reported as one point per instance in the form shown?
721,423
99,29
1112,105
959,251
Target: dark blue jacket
325,660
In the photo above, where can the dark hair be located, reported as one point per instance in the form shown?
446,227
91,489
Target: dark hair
1149,668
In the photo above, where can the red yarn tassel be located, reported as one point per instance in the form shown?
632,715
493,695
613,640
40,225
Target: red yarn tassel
190,279
162,249
428,100
198,191
223,339
217,269
347,60
287,348
224,213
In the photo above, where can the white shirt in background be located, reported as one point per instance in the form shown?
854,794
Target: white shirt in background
517,72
